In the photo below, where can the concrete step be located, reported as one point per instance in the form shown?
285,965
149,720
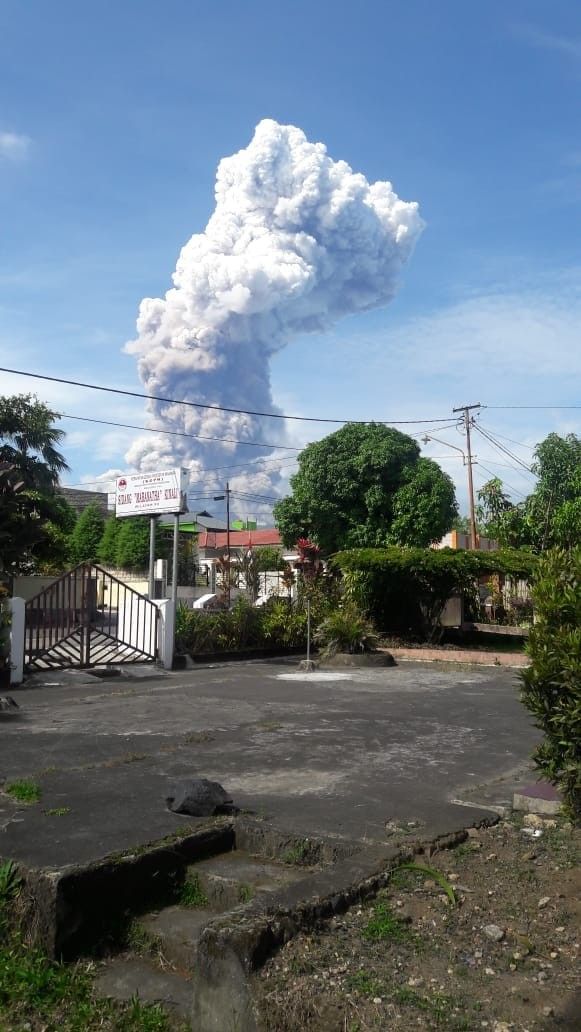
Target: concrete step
176,930
237,877
126,977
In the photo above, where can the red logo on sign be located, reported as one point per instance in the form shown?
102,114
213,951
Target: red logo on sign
122,482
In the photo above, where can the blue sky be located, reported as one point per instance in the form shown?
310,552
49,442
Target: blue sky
113,118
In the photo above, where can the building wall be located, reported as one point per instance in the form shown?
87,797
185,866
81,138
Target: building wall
79,500
459,539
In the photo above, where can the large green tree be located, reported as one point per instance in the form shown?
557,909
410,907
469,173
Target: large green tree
551,515
35,520
366,485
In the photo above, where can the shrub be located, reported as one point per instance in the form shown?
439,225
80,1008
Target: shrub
551,686
283,624
346,630
405,589
276,624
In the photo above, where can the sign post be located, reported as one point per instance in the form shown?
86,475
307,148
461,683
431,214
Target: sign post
150,494
154,494
151,578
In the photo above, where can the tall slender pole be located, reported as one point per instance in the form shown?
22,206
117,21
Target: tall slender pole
151,585
465,409
174,579
308,630
473,532
228,540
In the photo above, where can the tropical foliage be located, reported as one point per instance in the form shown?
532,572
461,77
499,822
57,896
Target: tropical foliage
405,589
35,521
366,485
86,536
551,515
551,685
274,625
346,629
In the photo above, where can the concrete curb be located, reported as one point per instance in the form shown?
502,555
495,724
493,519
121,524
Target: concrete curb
234,946
473,657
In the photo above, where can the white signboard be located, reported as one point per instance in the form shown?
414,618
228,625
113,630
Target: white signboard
150,494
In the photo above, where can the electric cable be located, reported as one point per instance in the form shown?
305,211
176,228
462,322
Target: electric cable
505,482
177,433
501,447
214,408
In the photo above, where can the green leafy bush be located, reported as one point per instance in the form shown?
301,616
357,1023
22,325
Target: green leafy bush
283,624
346,630
551,686
277,624
405,589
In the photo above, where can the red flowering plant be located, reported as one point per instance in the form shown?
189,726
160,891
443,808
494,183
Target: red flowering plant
309,560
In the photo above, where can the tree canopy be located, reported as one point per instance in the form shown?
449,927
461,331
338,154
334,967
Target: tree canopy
551,515
86,537
366,485
35,520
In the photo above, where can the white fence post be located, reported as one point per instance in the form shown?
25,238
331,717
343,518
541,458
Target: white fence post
165,632
17,624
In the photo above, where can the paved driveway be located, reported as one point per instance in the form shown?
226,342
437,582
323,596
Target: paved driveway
337,753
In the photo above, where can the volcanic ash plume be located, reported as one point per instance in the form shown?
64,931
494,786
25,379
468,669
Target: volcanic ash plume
296,241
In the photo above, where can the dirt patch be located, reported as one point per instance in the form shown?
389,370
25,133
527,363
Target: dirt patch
504,956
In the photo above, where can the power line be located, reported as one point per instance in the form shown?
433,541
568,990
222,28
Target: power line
214,408
505,482
501,447
533,407
177,433
511,440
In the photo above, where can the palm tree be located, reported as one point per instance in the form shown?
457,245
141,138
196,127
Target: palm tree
28,441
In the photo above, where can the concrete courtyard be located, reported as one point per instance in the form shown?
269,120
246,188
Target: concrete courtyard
346,754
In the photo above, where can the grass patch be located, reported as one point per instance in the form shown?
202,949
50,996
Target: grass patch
269,725
137,939
38,993
58,811
9,885
24,791
365,983
297,854
385,926
197,737
245,893
440,1007
430,872
191,893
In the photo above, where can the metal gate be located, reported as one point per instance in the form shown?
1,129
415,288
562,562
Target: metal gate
88,617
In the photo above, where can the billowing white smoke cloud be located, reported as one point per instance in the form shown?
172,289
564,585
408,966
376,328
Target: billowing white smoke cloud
296,241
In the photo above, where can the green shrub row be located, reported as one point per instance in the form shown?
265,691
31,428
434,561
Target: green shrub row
404,590
277,624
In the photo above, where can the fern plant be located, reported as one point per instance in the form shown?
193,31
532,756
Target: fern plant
346,630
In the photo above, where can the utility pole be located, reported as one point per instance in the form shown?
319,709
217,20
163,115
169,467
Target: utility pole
228,540
151,579
465,410
220,498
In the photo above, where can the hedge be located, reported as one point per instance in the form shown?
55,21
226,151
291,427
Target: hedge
405,590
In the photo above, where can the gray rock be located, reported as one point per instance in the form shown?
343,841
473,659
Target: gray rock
493,932
199,797
7,703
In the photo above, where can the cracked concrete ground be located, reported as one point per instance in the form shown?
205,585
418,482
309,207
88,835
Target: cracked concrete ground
341,755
